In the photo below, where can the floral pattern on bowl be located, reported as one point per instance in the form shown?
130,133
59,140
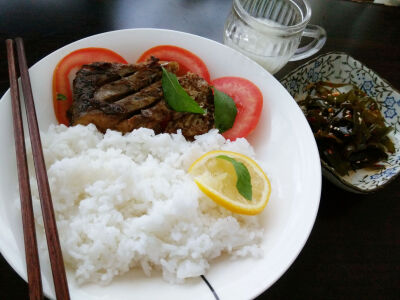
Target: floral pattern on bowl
339,67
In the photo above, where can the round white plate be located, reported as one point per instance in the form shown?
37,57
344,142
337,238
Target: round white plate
283,143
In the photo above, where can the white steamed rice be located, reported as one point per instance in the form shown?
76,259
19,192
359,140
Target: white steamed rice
126,201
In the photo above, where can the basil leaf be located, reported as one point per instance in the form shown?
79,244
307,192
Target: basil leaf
176,97
225,111
243,183
61,97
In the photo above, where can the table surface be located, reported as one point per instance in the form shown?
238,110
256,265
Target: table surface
354,249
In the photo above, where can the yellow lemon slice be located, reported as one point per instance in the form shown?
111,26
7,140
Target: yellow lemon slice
217,179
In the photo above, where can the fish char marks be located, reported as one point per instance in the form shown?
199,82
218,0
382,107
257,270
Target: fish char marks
124,97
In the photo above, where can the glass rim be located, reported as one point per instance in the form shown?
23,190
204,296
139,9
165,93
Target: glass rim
294,28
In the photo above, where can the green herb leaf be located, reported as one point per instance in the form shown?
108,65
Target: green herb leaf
176,97
61,97
225,111
243,183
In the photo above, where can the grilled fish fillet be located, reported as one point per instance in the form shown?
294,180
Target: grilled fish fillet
124,97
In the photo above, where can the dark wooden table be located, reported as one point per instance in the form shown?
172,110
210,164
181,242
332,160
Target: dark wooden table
354,249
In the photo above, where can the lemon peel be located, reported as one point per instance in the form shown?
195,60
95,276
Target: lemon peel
217,179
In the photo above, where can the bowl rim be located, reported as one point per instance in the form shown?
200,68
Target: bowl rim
324,164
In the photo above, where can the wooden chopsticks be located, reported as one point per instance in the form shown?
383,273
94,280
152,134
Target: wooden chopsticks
28,222
53,243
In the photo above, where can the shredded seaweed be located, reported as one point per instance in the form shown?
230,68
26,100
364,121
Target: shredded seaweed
348,126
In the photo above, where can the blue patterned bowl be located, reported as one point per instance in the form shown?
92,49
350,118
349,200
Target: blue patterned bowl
339,67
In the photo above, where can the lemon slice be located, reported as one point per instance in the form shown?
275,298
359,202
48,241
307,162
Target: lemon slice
217,179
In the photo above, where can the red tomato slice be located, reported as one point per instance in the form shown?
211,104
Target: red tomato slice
188,62
65,71
249,101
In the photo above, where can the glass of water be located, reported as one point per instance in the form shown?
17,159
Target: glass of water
269,31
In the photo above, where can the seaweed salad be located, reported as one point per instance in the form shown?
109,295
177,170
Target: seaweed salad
348,127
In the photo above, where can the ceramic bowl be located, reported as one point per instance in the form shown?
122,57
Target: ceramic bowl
340,67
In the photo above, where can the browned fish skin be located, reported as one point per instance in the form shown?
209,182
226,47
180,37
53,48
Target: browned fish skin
126,97
85,109
142,99
144,76
88,78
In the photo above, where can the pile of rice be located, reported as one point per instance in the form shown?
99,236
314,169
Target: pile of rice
127,201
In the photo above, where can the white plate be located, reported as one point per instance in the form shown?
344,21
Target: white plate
283,142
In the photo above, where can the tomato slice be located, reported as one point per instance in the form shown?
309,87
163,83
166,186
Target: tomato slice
188,62
65,71
249,101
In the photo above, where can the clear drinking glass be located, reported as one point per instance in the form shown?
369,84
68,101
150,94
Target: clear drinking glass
269,31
